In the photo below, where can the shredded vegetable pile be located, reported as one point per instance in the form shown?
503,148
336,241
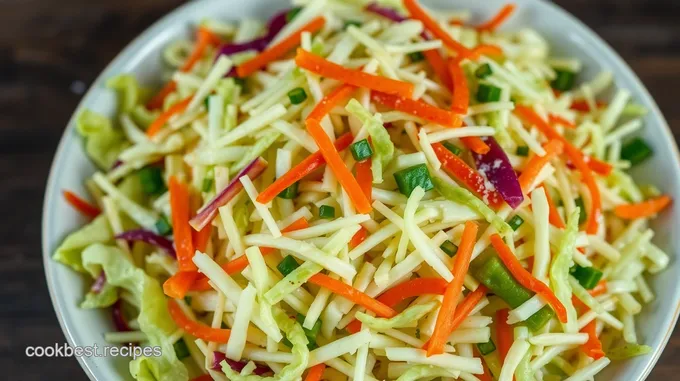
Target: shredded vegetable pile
368,191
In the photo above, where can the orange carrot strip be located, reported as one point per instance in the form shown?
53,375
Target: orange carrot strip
486,50
556,119
194,328
204,38
365,177
175,109
584,107
316,372
599,289
331,100
304,168
417,108
179,284
181,230
504,336
354,77
553,216
593,347
577,158
600,167
460,99
432,25
358,238
475,144
439,66
279,50
552,149
443,328
299,224
201,237
334,161
457,168
81,205
643,209
525,278
497,20
158,99
352,294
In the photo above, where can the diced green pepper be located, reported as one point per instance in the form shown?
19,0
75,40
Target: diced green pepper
515,222
522,151
586,276
486,348
483,71
564,80
181,349
416,56
163,226
152,180
488,93
326,211
311,334
449,248
287,265
453,148
636,151
297,95
361,150
289,193
410,178
582,216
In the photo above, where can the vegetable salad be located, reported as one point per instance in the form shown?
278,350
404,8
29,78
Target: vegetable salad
368,191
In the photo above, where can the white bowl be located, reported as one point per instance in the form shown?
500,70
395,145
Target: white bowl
142,57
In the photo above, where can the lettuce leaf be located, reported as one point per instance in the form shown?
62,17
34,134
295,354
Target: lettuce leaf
154,318
559,270
291,372
129,92
70,251
142,116
380,138
103,143
406,318
104,298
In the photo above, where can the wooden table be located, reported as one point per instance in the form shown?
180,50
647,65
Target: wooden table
50,49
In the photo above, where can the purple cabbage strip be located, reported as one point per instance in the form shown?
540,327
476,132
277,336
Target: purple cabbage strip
149,237
237,366
99,283
496,167
118,319
209,211
385,12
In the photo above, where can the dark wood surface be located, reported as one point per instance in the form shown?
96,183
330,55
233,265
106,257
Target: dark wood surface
49,48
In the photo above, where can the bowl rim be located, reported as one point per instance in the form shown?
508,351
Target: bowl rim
153,31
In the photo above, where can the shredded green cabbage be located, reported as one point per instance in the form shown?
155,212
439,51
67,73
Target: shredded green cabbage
380,138
103,143
256,150
406,318
130,93
627,351
559,270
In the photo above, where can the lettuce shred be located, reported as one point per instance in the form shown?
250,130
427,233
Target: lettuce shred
406,318
103,143
559,270
380,138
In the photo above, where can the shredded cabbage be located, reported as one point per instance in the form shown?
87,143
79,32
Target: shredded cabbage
380,138
627,351
406,318
559,271
418,372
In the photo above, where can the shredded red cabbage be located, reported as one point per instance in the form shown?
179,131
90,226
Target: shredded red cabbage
385,12
496,167
237,366
99,283
118,319
149,237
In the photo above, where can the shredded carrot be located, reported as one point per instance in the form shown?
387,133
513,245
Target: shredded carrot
335,98
443,327
599,289
365,177
354,77
299,224
158,99
439,67
417,108
460,99
486,50
352,294
556,119
584,107
310,164
498,19
504,336
81,205
418,13
457,168
552,149
358,238
278,50
553,216
162,119
475,144
525,278
593,347
643,209
577,158
334,161
181,230
600,167
179,284
316,372
204,39
201,237
195,328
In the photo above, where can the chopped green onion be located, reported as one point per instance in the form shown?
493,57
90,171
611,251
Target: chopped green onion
181,349
488,93
449,248
515,222
292,13
586,276
453,148
582,217
486,348
416,56
297,95
361,150
352,22
163,227
410,178
289,193
564,80
207,184
636,151
483,71
326,211
152,180
287,265
522,151
206,102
